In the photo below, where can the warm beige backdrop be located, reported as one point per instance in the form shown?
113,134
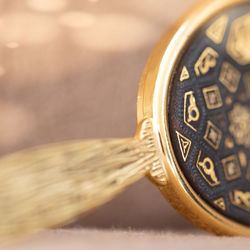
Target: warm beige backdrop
70,70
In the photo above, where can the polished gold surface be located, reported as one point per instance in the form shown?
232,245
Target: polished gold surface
153,100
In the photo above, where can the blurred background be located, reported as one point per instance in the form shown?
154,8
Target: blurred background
70,70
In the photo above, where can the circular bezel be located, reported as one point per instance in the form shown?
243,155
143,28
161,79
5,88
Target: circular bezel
153,102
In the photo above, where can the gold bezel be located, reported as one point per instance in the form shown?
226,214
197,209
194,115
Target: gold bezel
152,103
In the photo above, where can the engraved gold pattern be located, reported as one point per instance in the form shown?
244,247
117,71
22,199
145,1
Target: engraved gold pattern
220,203
185,145
243,158
213,135
192,205
240,199
238,45
184,74
207,170
231,167
217,29
191,111
206,61
229,77
239,127
212,97
229,142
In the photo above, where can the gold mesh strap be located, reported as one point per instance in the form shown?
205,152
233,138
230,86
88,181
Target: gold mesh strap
52,185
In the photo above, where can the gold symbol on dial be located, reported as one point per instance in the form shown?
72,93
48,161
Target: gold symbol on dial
243,158
220,203
238,45
212,97
191,111
229,77
184,74
217,29
207,170
206,61
231,168
229,143
239,119
240,199
213,135
185,145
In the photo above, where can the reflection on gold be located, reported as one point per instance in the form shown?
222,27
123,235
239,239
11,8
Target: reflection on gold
27,29
239,124
47,5
238,45
76,19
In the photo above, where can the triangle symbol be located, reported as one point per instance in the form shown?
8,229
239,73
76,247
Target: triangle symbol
184,74
217,29
185,145
220,203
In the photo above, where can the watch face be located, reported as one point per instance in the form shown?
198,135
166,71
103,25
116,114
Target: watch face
209,112
196,90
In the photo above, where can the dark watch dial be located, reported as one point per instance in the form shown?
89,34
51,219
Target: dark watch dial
209,113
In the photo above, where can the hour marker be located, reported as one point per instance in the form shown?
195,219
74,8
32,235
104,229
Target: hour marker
184,74
206,61
191,111
220,203
231,168
212,97
207,170
217,29
230,77
240,199
213,135
185,145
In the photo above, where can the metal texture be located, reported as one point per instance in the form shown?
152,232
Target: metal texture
204,76
211,166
